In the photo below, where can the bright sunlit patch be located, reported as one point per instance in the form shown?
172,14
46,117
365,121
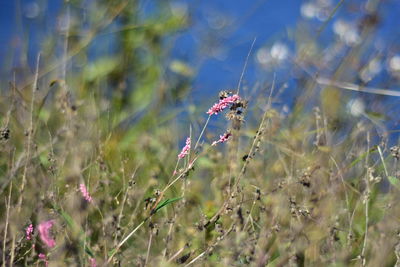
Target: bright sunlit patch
394,63
279,51
347,32
373,68
308,10
356,107
263,56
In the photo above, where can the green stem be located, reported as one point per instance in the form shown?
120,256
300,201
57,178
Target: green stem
202,132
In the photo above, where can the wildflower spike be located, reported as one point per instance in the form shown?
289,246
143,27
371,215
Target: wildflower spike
29,232
185,149
223,104
85,193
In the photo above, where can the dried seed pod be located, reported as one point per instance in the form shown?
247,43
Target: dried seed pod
224,94
395,152
4,133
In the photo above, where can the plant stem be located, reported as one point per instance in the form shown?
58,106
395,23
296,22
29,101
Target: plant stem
202,132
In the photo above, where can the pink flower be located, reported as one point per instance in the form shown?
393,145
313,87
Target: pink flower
185,149
222,104
92,262
44,233
85,193
44,258
222,138
29,232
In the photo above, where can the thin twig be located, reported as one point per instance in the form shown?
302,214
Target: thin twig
326,22
202,132
366,199
355,87
148,248
176,254
346,85
344,186
383,161
8,204
123,241
124,200
245,66
30,133
219,239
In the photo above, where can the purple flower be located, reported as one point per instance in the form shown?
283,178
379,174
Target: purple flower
185,149
222,104
44,233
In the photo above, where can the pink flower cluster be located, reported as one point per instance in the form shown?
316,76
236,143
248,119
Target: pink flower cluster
29,232
222,138
44,233
185,149
222,104
85,193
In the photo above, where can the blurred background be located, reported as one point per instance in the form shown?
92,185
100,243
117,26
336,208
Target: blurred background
104,94
145,55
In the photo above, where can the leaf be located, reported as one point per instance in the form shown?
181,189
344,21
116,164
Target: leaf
89,251
181,68
68,219
112,252
394,181
100,68
377,115
165,203
326,149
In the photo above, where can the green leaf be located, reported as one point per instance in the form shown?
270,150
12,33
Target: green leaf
100,68
67,218
181,68
394,181
111,252
165,203
89,251
71,223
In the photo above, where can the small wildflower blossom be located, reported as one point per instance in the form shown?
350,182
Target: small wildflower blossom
85,193
29,232
222,104
44,258
185,149
44,233
92,262
222,138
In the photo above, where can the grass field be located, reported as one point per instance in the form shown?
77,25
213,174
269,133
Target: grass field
107,161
